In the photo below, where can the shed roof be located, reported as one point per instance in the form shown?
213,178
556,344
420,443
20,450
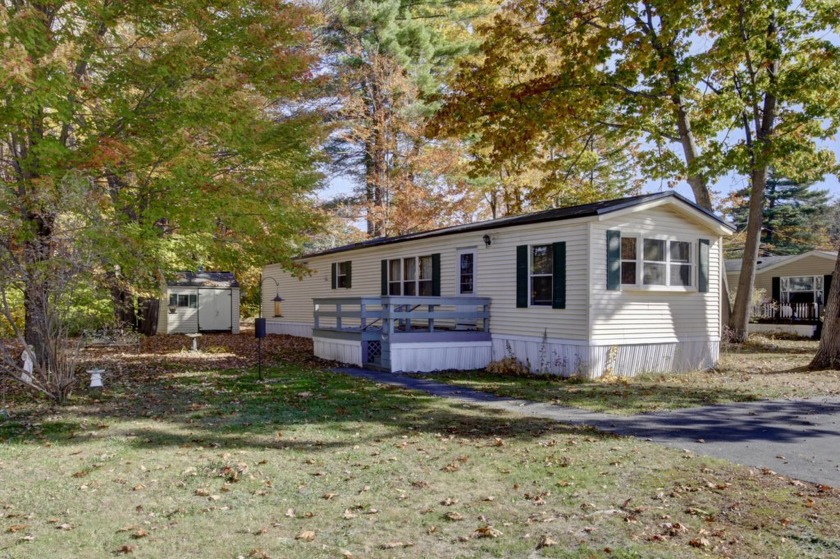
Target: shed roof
555,214
204,279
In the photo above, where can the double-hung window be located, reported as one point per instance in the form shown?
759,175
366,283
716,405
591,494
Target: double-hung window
342,273
395,277
656,262
541,275
410,276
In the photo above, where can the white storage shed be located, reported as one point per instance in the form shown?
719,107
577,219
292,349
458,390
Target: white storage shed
200,302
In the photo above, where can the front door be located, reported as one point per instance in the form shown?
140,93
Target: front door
214,309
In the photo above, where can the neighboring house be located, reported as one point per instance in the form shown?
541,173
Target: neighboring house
795,290
622,286
200,302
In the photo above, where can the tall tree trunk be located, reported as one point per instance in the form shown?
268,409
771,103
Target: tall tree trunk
741,313
828,354
37,253
763,118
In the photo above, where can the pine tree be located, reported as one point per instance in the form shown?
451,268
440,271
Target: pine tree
795,216
388,57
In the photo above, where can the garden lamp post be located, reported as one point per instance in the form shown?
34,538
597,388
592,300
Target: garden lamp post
259,324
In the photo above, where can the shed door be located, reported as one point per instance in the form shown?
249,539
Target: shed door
214,311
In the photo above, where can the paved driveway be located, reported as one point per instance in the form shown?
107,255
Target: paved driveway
796,438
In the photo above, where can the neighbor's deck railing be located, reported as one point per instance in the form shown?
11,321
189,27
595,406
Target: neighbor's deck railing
393,314
786,312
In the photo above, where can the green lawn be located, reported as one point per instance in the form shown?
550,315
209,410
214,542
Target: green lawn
764,369
179,460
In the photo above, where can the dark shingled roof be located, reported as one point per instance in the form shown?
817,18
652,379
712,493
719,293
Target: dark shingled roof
204,279
555,214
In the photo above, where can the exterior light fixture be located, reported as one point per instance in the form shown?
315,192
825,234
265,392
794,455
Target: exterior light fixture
487,240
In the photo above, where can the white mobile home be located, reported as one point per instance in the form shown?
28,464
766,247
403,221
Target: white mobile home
200,302
623,286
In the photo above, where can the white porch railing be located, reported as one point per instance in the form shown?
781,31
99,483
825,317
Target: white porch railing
786,312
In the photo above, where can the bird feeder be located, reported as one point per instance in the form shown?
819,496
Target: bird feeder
278,311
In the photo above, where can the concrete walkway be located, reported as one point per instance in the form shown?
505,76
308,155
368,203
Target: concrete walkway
795,438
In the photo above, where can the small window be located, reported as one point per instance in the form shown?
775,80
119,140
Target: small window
342,275
183,301
680,263
466,274
424,283
394,277
409,277
628,260
654,266
541,275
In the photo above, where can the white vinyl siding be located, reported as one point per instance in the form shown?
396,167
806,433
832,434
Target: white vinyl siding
495,268
657,315
185,319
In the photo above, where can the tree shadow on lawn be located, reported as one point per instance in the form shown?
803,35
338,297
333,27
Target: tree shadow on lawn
231,410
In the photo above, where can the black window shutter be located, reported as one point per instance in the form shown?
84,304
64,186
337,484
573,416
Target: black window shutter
613,260
348,266
334,275
703,266
776,289
522,276
384,282
558,280
436,274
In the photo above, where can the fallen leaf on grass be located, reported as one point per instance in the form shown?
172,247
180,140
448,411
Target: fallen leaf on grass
486,532
306,536
395,545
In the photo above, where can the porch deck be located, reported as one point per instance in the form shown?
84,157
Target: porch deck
403,333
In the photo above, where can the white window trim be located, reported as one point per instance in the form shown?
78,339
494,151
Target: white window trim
532,275
640,262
